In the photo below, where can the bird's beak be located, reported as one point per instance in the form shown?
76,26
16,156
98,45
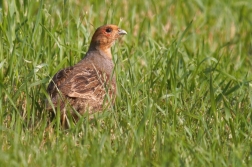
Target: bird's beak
122,32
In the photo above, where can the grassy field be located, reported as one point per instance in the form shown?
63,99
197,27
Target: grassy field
184,75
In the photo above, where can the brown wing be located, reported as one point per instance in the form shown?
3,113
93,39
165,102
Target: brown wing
86,84
80,83
59,79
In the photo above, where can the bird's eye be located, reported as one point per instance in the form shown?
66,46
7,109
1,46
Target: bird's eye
108,30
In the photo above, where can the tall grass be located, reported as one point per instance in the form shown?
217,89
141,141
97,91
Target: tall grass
183,75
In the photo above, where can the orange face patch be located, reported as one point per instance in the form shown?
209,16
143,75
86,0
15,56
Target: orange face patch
107,34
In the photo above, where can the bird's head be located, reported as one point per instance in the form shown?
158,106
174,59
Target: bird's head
104,38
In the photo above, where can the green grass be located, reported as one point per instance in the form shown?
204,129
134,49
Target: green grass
184,83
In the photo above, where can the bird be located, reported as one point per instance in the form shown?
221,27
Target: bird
83,87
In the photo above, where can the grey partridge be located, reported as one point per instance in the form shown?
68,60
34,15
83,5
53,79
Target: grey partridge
84,86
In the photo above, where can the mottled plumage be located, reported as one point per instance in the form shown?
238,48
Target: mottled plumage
84,86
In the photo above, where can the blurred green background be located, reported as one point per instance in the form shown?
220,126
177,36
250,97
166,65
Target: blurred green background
183,76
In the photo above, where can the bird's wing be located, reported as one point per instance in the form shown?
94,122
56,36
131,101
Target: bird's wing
84,83
87,84
58,80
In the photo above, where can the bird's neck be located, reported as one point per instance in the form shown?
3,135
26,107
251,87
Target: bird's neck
105,51
100,58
